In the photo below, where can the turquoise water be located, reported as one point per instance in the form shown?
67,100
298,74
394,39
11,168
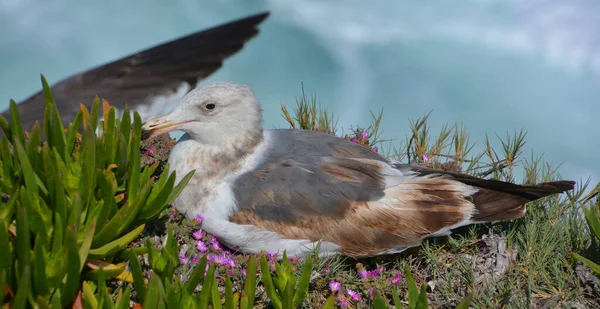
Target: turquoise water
495,66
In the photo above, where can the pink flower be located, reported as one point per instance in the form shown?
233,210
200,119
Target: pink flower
380,270
425,158
173,213
370,292
201,246
199,218
363,274
353,139
220,260
396,279
194,260
353,295
216,247
198,234
373,273
376,149
183,259
334,286
365,134
150,150
243,272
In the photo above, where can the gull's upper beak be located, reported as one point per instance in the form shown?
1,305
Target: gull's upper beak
158,126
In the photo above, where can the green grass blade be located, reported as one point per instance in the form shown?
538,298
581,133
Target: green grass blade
466,303
196,276
302,288
6,254
73,266
15,123
268,283
250,283
123,302
117,244
422,302
379,301
179,187
27,169
22,241
205,293
84,250
23,288
39,270
139,282
229,300
329,303
396,297
216,297
152,296
413,293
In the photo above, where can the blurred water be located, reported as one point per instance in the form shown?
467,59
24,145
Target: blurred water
494,65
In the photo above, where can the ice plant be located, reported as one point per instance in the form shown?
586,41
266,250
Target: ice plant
334,286
199,218
353,294
198,234
395,279
425,158
201,246
150,151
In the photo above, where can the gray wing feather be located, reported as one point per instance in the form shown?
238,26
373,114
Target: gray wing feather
308,174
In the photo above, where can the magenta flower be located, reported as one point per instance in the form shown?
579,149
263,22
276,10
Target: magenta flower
365,134
334,286
271,255
396,279
243,272
194,260
219,260
201,246
150,150
353,295
353,139
198,234
425,158
183,259
363,274
380,270
199,218
376,149
216,247
173,213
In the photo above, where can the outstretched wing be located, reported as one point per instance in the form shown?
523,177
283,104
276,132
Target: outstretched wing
157,71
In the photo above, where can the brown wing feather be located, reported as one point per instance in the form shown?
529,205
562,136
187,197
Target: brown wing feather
497,200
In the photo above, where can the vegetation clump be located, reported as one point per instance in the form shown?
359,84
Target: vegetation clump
85,222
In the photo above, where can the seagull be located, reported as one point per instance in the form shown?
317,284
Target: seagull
147,80
297,190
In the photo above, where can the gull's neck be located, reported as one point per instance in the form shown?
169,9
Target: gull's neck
215,167
214,162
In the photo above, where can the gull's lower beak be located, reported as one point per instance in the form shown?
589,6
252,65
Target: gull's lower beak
158,126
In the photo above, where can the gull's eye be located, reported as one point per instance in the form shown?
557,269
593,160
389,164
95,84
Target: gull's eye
210,106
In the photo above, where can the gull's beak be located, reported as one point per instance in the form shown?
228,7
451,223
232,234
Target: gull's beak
158,126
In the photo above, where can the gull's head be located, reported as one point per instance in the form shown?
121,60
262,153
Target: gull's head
214,114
